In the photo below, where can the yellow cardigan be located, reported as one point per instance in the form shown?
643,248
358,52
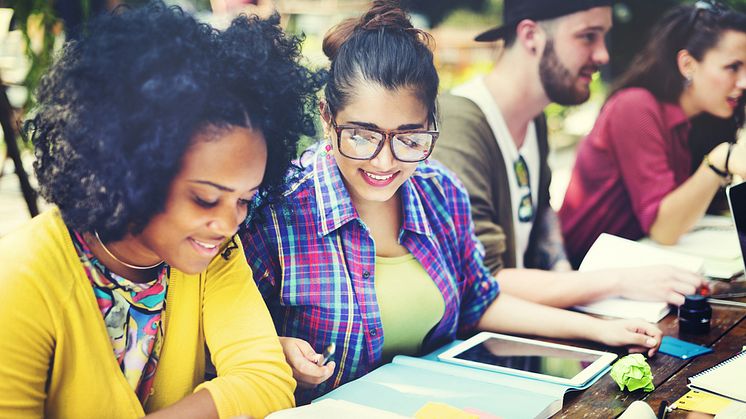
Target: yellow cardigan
56,359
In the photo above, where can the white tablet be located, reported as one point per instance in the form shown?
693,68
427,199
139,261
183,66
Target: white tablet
530,358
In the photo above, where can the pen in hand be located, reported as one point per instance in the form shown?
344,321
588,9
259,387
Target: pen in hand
326,355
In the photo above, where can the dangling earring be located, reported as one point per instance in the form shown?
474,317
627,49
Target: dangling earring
687,81
326,150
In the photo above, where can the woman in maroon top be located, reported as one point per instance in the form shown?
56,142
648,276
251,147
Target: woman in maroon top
632,176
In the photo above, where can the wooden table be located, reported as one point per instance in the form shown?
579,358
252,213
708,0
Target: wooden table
604,399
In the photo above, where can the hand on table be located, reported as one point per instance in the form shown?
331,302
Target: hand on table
658,283
636,335
303,361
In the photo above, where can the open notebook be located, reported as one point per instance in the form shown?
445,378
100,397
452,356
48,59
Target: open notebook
334,409
611,252
407,384
714,239
727,379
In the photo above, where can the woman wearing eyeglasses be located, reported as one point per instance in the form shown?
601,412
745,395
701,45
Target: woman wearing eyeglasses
633,175
374,249
153,133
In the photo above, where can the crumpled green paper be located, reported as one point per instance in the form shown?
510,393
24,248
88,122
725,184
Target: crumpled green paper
633,372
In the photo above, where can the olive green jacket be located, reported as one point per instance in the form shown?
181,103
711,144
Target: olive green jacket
467,146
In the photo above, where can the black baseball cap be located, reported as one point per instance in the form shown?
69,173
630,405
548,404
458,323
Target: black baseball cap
515,11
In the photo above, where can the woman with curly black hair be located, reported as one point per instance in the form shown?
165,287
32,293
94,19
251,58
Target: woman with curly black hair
153,133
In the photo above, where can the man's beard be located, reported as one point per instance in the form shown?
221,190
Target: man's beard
558,82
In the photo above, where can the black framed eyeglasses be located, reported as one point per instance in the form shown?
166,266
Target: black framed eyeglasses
526,206
409,146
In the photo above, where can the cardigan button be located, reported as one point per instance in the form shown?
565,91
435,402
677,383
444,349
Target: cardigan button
366,274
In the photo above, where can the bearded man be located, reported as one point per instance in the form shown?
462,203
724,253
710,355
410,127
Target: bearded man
493,135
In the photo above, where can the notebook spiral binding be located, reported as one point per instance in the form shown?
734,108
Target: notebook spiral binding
736,356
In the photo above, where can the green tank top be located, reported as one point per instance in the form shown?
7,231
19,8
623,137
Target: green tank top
410,304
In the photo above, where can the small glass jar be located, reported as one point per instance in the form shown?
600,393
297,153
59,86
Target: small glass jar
695,315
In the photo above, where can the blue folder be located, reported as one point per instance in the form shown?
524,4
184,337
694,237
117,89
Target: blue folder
407,383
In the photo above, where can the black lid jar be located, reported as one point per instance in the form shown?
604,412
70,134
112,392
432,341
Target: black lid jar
694,315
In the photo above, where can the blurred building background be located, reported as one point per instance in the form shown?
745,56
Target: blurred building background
32,30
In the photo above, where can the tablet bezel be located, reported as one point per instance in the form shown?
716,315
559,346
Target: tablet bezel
737,189
605,359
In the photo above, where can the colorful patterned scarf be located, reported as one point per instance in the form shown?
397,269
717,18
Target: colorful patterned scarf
132,314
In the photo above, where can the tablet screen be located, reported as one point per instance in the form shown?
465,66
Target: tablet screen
556,362
737,201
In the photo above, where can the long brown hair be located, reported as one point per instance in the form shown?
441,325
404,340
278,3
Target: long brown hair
690,28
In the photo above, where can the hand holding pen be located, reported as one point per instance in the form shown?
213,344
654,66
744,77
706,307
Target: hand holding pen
309,368
327,354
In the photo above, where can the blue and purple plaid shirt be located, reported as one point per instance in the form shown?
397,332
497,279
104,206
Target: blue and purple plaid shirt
313,261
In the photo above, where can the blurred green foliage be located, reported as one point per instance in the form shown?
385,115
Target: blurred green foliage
42,27
437,10
39,26
738,4
489,15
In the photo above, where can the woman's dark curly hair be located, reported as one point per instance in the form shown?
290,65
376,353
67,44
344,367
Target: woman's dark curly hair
117,111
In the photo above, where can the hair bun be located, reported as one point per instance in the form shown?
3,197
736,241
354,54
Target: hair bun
336,36
383,14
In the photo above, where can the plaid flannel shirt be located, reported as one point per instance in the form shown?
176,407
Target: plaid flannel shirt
313,260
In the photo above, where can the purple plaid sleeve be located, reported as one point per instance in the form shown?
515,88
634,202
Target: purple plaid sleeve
314,261
263,264
481,288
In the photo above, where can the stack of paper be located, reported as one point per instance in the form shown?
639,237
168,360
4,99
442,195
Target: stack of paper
698,401
650,311
724,379
612,252
714,239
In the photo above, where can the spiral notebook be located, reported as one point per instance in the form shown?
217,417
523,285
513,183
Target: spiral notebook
724,379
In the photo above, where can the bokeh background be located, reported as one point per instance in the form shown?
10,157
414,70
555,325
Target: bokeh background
32,31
